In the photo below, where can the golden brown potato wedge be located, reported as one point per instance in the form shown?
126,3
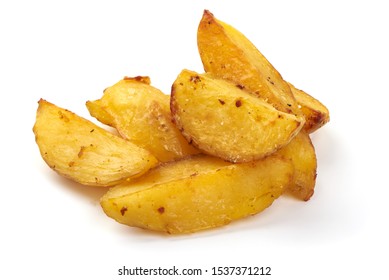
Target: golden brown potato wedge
228,54
316,114
142,115
78,149
225,121
302,154
197,193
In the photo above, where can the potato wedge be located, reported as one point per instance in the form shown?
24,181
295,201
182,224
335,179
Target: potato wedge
225,121
316,114
302,154
197,193
228,54
80,150
142,115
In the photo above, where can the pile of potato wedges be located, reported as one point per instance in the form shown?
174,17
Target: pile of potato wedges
222,146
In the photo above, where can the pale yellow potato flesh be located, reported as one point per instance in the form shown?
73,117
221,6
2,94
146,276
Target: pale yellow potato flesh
316,113
82,151
303,156
224,121
141,114
228,54
197,193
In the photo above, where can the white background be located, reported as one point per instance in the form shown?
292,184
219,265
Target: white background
67,52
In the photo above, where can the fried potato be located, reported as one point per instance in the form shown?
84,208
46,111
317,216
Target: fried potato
228,54
197,193
316,114
302,154
225,121
142,115
80,150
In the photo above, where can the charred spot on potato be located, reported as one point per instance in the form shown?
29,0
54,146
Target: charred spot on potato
138,78
259,94
70,164
163,127
123,210
141,79
222,101
318,118
238,103
270,81
81,152
161,210
62,116
195,79
92,130
240,86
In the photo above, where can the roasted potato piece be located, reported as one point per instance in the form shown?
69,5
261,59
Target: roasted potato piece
142,115
78,149
197,193
316,114
225,121
228,54
302,154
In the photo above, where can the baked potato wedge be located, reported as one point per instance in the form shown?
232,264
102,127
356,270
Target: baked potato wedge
302,154
228,54
315,113
141,114
84,152
197,193
223,120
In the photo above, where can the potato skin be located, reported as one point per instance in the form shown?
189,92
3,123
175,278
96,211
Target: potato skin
194,197
141,114
316,113
228,54
80,150
224,121
302,154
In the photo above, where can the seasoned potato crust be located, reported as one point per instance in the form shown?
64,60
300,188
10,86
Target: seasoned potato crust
222,120
78,149
198,193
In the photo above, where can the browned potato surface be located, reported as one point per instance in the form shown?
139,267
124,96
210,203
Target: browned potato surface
197,193
80,150
225,121
316,114
142,115
228,54
223,146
